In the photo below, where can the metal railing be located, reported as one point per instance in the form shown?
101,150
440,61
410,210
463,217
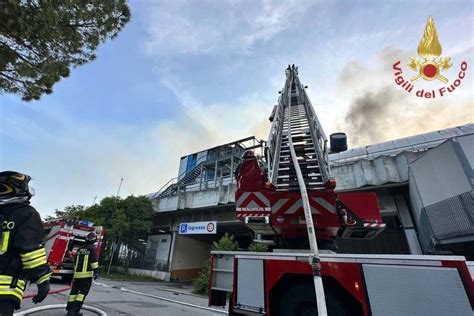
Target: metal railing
224,157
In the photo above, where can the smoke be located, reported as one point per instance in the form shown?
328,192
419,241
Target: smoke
386,115
364,120
378,110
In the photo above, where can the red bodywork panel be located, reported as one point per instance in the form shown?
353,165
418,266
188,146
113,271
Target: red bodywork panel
60,245
348,275
363,205
466,277
358,214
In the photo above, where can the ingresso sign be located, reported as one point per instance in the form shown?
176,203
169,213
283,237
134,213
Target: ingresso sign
198,228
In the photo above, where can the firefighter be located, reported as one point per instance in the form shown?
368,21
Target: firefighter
85,268
22,255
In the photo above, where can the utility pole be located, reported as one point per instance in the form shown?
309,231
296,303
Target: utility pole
114,246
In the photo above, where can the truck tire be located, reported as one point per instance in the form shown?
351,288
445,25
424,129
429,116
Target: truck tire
299,300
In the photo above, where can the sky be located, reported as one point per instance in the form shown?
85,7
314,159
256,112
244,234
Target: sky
184,76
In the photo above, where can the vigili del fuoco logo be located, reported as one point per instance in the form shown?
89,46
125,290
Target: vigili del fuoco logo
430,67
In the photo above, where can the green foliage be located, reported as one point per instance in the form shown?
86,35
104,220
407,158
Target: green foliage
226,243
125,220
121,275
74,212
201,283
41,40
258,247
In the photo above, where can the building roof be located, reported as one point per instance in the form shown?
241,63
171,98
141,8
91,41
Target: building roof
387,162
414,143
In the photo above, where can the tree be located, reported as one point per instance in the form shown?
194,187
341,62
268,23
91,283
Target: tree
41,40
69,212
125,221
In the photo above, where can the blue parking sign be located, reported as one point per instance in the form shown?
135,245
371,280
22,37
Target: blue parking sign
183,229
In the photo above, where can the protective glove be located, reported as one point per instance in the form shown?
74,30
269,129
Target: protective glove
43,290
96,275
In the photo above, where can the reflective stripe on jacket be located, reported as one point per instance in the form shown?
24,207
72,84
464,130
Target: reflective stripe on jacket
85,262
22,255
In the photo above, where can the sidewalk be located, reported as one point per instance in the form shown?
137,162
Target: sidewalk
170,286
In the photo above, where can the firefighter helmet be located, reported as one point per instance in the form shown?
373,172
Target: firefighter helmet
91,238
14,185
248,154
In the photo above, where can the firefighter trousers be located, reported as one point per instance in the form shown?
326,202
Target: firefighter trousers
79,290
7,307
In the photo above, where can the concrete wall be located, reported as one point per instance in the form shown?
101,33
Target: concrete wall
188,257
220,195
159,275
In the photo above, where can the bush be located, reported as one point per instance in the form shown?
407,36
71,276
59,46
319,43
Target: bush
258,247
201,283
226,243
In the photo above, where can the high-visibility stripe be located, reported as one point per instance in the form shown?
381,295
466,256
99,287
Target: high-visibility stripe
6,279
94,265
84,263
21,284
77,262
13,292
6,290
33,254
82,275
71,298
34,263
80,297
44,278
6,238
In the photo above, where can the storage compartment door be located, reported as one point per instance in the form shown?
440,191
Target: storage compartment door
410,290
250,285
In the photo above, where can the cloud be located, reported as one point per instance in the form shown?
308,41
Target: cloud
189,28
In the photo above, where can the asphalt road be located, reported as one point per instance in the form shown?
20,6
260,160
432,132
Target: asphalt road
131,298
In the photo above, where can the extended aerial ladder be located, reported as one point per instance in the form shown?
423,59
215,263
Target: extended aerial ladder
273,207
306,134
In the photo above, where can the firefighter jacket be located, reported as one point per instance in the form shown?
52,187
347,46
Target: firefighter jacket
85,262
22,255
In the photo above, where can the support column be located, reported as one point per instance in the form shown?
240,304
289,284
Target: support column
231,169
215,174
408,226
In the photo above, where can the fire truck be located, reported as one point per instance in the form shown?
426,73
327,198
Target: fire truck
62,239
288,199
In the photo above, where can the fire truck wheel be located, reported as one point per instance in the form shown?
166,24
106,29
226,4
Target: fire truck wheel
299,300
